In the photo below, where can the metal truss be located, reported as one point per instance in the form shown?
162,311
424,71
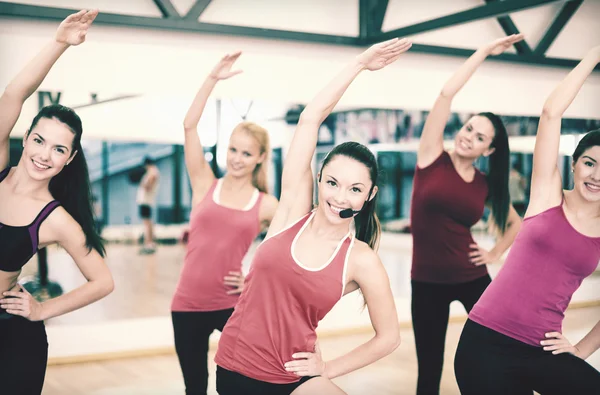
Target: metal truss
371,16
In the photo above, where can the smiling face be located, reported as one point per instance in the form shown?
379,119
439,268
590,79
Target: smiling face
344,183
475,138
47,149
243,154
586,174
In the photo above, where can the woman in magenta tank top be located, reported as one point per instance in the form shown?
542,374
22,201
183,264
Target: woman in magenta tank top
449,196
45,199
227,216
309,260
513,342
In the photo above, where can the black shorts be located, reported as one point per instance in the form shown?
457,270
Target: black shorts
232,383
145,211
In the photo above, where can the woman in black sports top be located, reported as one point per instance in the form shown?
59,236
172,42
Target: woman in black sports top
45,200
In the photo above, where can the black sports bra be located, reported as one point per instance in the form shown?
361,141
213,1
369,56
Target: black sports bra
19,243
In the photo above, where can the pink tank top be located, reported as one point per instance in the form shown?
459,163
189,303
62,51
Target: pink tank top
546,264
281,307
219,238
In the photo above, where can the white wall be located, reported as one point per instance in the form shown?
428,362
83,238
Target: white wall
127,60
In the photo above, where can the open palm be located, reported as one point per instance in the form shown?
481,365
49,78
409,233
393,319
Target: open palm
502,44
222,70
380,55
74,28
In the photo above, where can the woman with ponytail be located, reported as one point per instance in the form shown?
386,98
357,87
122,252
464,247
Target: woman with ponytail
310,259
46,200
227,216
449,196
512,342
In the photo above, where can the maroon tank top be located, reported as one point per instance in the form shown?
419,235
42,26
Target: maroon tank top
444,207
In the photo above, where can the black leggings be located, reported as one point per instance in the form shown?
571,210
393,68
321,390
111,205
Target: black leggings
23,355
430,313
488,362
232,383
192,330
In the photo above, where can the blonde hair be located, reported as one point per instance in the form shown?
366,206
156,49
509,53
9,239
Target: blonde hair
260,134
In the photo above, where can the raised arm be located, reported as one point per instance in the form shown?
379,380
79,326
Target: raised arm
72,31
201,175
296,192
432,138
546,189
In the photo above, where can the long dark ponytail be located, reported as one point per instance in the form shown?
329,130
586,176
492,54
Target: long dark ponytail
498,172
368,228
71,187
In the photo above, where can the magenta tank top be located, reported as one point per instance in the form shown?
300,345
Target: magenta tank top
548,261
281,307
219,238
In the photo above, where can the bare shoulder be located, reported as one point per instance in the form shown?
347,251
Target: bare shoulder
363,257
62,223
365,267
269,202
268,207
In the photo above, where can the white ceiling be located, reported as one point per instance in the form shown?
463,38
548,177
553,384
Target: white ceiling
340,17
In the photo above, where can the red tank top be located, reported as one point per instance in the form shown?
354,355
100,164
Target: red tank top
444,207
281,307
219,238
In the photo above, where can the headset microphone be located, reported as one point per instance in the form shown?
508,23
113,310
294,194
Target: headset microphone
348,213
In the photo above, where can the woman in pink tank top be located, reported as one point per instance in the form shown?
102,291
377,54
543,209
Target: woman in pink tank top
227,216
513,342
309,260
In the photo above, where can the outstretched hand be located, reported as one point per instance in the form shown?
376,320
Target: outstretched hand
74,28
380,55
502,44
222,70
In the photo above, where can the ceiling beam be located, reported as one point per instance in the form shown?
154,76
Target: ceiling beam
558,24
197,10
167,9
371,15
178,24
181,24
507,57
510,28
495,9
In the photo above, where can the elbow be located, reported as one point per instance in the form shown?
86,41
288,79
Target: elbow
447,94
548,112
13,95
187,126
310,118
390,343
107,286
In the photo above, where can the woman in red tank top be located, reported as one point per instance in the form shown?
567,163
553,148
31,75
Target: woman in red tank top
227,216
512,342
449,195
309,260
